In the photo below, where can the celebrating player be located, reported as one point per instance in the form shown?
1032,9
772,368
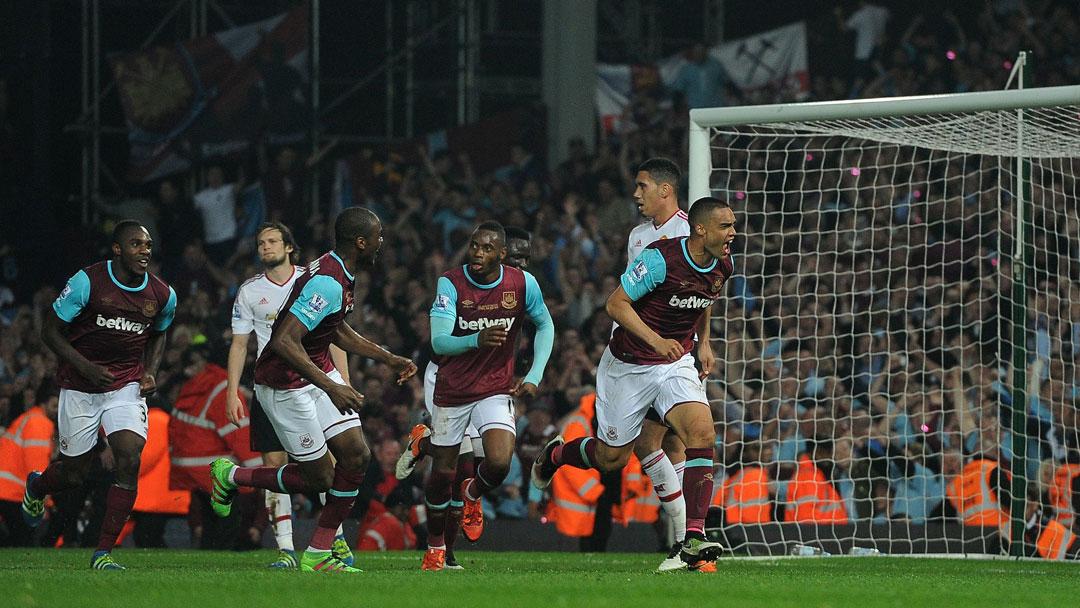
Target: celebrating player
306,399
256,308
656,190
109,333
659,306
518,254
475,320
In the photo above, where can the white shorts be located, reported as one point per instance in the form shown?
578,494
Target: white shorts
448,424
305,418
471,444
81,414
626,391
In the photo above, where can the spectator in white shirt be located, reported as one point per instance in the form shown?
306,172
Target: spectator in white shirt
217,204
868,23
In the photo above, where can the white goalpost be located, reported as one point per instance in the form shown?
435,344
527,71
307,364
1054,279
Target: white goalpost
900,348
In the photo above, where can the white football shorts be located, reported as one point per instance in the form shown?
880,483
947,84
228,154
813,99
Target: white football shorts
305,418
81,414
626,391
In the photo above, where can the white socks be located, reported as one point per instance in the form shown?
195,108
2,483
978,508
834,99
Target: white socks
668,486
279,507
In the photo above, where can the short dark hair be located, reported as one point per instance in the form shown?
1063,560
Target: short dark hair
703,207
662,171
286,237
353,223
513,232
123,227
493,226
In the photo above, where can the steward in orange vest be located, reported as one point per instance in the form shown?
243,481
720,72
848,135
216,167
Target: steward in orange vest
575,492
745,496
199,432
154,471
25,446
975,492
1065,492
812,498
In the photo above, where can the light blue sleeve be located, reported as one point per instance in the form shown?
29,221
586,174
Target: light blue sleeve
442,317
73,298
545,330
445,304
646,272
320,298
444,343
165,317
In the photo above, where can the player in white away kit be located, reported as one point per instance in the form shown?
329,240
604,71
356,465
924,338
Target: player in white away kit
257,304
662,454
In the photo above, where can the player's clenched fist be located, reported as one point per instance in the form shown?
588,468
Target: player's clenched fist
669,349
492,337
345,398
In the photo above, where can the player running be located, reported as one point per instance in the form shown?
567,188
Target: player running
109,334
255,309
659,306
306,399
518,255
475,320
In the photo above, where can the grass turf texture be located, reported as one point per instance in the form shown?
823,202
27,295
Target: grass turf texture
160,578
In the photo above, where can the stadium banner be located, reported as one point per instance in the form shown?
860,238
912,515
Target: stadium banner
765,67
211,96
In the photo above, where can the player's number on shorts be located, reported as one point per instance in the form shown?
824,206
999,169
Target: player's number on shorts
142,410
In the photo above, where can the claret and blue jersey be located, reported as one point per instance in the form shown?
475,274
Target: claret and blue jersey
462,308
110,323
321,298
670,293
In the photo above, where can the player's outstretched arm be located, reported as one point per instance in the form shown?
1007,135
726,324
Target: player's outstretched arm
349,341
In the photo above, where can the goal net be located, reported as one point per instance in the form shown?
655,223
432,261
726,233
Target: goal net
900,345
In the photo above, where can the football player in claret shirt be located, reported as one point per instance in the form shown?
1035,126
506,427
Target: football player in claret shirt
258,303
476,317
109,332
656,190
310,406
471,453
659,306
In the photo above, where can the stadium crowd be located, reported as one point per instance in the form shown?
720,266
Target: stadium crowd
864,357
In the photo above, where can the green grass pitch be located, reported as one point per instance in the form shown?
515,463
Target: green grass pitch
157,579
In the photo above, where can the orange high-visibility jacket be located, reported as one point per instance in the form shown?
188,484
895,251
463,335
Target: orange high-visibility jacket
811,498
25,446
973,498
154,494
387,533
1054,540
745,496
199,432
1061,493
575,492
